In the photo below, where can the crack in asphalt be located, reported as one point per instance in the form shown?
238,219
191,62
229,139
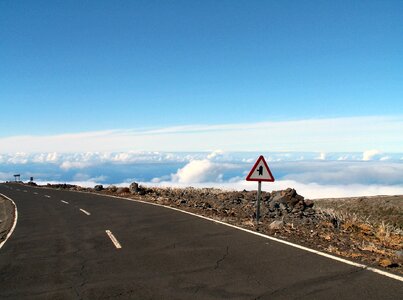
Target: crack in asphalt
217,264
83,280
77,293
197,290
318,281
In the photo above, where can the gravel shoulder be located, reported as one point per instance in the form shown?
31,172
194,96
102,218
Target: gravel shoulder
6,217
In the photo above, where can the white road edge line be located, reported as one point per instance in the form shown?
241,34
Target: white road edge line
14,223
113,239
362,266
358,265
86,212
64,201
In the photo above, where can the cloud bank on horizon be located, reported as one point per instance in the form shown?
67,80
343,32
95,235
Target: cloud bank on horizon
313,174
346,134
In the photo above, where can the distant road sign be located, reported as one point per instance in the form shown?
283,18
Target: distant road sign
260,171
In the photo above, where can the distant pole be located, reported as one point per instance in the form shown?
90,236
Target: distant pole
259,190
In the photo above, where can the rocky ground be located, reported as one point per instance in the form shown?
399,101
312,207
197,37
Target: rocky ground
366,229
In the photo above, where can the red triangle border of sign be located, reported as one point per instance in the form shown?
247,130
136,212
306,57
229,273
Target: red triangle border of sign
254,168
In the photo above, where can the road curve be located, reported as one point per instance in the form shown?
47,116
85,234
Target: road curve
70,245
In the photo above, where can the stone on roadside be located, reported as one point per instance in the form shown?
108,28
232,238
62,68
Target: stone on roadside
385,262
141,192
292,201
98,187
276,225
112,188
309,203
283,207
134,188
399,255
278,198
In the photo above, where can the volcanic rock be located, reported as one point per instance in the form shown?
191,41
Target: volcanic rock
112,188
309,203
276,225
134,188
288,201
98,187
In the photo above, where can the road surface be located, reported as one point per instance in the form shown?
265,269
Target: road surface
70,245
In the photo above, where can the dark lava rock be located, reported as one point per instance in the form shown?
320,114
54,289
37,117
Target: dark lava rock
99,187
134,188
287,203
309,203
112,188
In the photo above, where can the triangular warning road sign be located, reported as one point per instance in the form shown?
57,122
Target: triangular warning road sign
260,171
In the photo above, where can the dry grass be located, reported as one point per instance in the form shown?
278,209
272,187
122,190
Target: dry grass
385,212
373,224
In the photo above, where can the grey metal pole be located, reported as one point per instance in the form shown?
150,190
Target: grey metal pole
259,190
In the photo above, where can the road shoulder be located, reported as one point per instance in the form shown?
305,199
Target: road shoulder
7,215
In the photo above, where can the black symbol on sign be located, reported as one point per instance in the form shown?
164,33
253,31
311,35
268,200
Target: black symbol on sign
260,170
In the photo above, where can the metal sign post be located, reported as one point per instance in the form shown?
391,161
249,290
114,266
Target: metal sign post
260,172
259,191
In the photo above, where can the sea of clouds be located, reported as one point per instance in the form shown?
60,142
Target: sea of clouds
313,174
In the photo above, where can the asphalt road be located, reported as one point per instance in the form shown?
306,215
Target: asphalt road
60,250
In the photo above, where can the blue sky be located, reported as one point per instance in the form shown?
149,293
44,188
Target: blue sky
88,66
185,93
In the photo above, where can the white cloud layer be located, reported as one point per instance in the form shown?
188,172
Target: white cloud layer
198,171
202,170
370,154
313,174
327,135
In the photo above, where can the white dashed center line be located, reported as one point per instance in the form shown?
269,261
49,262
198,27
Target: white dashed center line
84,211
18,190
47,196
35,193
113,239
64,201
25,191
